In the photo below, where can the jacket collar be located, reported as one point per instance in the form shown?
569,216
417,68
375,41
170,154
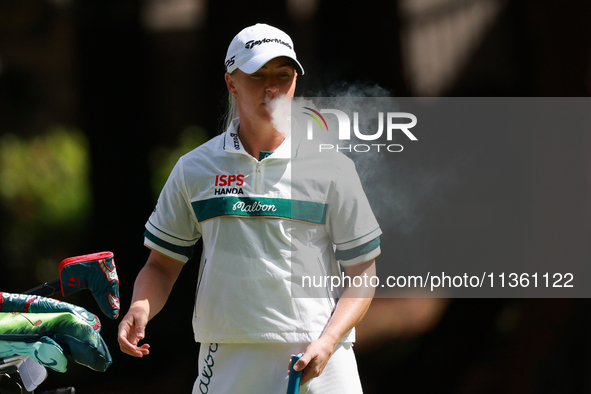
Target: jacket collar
232,143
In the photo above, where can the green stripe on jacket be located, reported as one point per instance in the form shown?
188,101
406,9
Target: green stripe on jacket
357,251
186,251
305,211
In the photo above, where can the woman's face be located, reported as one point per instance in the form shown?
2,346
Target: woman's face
254,91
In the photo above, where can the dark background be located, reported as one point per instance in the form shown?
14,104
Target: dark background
132,83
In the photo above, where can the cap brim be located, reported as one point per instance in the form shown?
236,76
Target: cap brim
259,61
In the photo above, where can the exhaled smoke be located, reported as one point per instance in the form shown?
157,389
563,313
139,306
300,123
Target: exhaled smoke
280,110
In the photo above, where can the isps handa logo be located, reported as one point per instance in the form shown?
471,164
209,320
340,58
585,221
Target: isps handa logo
389,124
228,184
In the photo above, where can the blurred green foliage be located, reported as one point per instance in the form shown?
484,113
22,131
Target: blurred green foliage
46,198
46,178
163,159
45,201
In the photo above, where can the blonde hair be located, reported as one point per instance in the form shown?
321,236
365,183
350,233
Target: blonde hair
231,112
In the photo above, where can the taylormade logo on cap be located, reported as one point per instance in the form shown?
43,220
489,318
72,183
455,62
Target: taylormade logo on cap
253,43
256,45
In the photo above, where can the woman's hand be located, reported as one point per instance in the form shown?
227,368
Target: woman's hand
349,311
314,359
132,329
150,292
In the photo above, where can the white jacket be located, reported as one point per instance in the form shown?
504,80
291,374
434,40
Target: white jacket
265,225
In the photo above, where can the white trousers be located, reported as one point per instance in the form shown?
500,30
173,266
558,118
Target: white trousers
262,368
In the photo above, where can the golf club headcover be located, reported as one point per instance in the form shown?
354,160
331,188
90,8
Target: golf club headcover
12,302
78,340
97,273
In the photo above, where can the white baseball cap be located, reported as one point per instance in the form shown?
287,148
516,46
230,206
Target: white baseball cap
256,45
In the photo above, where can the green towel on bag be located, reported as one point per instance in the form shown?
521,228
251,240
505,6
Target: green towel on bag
45,351
68,332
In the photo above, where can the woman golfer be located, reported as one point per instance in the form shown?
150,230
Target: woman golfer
270,211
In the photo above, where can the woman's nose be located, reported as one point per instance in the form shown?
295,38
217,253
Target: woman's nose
272,85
